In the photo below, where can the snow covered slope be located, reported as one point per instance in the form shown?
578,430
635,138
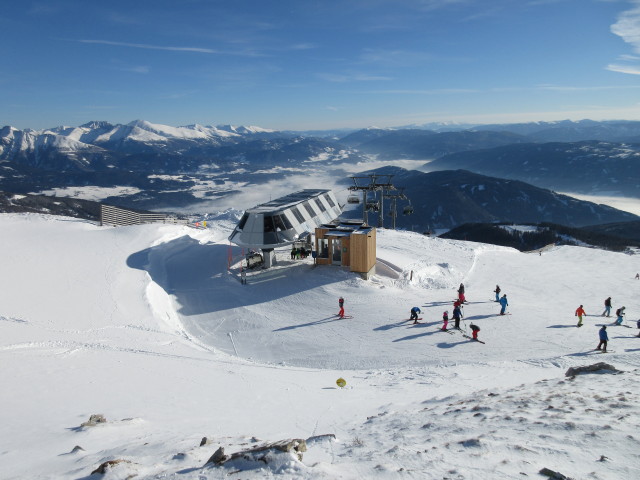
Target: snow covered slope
147,326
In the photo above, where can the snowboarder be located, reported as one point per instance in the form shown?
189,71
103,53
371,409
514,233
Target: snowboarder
497,292
579,313
457,315
341,303
445,320
414,314
604,338
619,314
474,331
607,307
503,303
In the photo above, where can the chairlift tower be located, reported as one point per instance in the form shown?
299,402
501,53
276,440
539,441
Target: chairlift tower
394,199
375,183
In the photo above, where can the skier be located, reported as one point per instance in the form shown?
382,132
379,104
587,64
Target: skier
619,314
497,292
445,320
457,314
414,314
461,293
604,338
341,303
638,325
579,313
503,303
637,276
607,307
474,331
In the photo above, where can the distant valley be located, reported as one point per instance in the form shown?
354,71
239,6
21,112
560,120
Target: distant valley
476,172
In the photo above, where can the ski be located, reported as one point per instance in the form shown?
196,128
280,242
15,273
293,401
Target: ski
409,319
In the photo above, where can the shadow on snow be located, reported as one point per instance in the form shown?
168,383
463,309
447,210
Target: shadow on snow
197,275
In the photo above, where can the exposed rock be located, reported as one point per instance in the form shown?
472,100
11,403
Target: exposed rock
326,436
218,457
94,420
102,469
77,449
204,441
555,475
596,367
296,445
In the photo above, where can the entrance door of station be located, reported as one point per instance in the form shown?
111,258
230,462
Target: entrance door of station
336,256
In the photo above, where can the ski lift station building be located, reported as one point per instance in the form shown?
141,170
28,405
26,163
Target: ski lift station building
292,218
285,220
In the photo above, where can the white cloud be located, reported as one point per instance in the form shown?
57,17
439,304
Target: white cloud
629,69
171,48
628,26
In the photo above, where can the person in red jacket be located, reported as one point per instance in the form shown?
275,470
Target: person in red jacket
579,313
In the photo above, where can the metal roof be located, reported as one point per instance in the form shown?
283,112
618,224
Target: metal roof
287,201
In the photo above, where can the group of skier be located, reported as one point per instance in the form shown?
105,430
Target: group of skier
602,334
458,305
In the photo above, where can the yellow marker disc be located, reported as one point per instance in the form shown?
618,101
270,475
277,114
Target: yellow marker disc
341,382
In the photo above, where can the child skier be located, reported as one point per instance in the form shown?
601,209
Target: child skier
607,307
474,331
497,292
503,303
414,314
579,313
445,321
619,314
341,303
604,338
457,315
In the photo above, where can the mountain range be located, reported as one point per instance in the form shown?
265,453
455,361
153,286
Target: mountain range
160,166
445,199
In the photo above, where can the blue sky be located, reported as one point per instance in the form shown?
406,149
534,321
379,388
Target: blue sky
312,64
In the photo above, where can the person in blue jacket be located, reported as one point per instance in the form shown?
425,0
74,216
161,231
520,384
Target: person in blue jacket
503,302
414,314
604,338
457,315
